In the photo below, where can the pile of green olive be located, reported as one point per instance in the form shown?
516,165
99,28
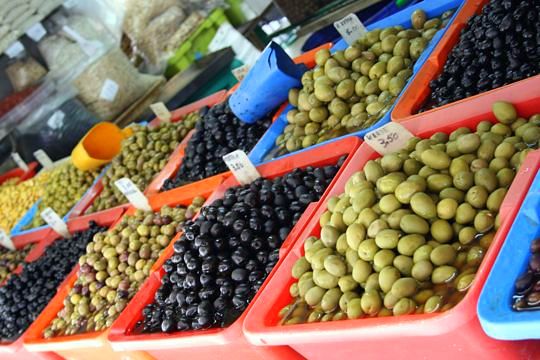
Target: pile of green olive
353,89
115,265
64,188
10,259
411,229
143,156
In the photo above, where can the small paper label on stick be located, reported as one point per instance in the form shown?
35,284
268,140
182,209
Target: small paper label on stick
241,72
389,138
161,111
36,32
133,194
5,240
242,168
109,90
55,222
19,161
43,159
350,28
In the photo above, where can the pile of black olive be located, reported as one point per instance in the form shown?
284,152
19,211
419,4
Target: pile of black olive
499,46
527,287
220,133
25,295
225,254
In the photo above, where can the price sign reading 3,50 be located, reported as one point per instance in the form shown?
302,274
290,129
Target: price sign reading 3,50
389,138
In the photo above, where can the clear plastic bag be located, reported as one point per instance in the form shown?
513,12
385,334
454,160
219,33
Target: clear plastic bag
24,73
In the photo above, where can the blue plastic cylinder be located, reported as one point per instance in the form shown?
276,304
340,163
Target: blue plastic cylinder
267,84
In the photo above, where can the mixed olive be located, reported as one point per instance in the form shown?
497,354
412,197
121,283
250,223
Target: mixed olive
10,259
143,156
220,133
224,256
411,229
353,89
527,287
63,189
115,265
25,295
499,46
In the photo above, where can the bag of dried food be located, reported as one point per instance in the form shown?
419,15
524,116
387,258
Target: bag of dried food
24,73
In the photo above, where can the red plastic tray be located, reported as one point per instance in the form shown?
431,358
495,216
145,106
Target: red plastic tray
172,166
20,173
95,345
44,238
414,97
222,343
449,335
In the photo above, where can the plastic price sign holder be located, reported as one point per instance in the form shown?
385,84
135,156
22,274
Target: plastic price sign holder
161,111
266,85
44,159
55,222
133,194
241,167
350,28
19,161
389,138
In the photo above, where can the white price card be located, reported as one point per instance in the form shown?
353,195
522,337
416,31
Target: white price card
5,241
14,49
19,161
109,90
241,72
350,28
242,168
161,111
133,194
55,222
43,159
56,120
389,138
36,32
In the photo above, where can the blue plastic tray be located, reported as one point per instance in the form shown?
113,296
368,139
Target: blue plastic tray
497,318
265,148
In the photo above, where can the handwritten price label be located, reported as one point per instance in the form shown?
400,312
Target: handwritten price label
161,111
350,28
6,241
389,138
55,221
242,168
133,194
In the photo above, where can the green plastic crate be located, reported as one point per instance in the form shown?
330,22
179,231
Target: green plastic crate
196,44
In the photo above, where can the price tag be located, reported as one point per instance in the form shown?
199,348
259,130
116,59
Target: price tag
161,111
133,194
389,138
19,161
14,49
43,159
241,72
6,241
350,28
56,120
55,221
36,32
242,168
109,90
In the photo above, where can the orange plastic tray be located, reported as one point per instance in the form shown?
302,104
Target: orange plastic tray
172,166
95,345
414,97
223,342
20,173
449,335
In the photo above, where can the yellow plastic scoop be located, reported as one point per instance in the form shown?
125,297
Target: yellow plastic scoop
99,146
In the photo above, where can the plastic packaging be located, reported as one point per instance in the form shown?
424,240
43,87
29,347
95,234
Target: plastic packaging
89,346
447,335
221,342
264,149
267,84
24,73
497,317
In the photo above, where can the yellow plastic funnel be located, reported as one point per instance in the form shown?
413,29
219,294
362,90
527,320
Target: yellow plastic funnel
99,146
